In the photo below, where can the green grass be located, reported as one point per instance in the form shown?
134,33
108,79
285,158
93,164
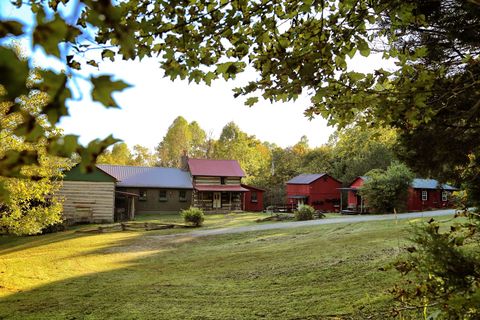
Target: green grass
317,272
211,220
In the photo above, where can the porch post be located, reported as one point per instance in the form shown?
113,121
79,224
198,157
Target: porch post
341,200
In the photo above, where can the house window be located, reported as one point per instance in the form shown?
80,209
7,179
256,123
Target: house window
162,195
182,196
222,180
143,195
444,196
253,197
424,195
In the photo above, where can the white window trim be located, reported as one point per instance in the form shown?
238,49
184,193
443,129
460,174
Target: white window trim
424,195
444,196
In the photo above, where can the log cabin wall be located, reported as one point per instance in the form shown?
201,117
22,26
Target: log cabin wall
88,201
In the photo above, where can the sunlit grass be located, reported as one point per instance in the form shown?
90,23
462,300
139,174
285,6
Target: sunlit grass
312,272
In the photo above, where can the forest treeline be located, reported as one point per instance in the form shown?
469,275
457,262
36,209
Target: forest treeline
348,153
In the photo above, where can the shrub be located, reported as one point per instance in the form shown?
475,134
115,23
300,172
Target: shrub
193,216
304,212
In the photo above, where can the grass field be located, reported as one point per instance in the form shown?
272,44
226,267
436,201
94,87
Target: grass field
316,272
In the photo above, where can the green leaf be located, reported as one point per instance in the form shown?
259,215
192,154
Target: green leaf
63,146
103,87
108,54
10,27
92,63
356,76
363,47
14,73
251,101
50,34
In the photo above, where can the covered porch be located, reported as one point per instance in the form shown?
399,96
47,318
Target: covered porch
218,198
124,206
355,202
297,200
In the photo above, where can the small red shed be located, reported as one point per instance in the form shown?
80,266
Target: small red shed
354,200
423,194
427,194
253,198
320,191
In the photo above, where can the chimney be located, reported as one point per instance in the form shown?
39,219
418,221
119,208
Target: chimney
184,161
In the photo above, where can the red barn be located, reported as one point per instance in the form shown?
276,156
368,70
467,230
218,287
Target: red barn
423,194
253,198
320,191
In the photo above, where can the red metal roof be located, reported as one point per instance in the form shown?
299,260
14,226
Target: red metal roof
252,187
222,187
215,168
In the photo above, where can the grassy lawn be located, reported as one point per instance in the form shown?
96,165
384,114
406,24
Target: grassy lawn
316,272
211,220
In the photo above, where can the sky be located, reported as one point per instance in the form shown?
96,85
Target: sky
149,107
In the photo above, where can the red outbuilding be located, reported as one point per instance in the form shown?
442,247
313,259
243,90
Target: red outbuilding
253,198
320,191
423,194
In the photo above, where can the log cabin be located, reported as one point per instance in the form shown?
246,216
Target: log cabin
216,184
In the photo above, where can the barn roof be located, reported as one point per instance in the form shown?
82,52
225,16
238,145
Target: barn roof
215,168
153,177
246,186
305,178
430,184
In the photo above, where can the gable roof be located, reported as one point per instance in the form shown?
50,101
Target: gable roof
305,178
430,184
419,183
96,175
215,168
153,177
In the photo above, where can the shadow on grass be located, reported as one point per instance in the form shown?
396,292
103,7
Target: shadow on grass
272,275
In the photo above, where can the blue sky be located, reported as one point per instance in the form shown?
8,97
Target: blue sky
153,102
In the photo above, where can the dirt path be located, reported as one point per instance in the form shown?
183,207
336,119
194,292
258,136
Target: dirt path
298,224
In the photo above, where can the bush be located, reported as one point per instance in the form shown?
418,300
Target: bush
193,216
304,212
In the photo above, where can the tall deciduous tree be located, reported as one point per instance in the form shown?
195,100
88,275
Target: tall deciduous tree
357,150
120,155
247,150
182,137
143,157
31,204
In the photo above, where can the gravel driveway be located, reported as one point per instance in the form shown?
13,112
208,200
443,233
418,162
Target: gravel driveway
298,224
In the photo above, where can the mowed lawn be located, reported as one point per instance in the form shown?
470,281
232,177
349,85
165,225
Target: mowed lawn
316,272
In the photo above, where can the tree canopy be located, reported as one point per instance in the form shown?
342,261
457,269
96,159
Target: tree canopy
295,47
182,137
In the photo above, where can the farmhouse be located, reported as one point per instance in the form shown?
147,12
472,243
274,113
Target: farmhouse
158,189
115,193
320,191
216,184
423,194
